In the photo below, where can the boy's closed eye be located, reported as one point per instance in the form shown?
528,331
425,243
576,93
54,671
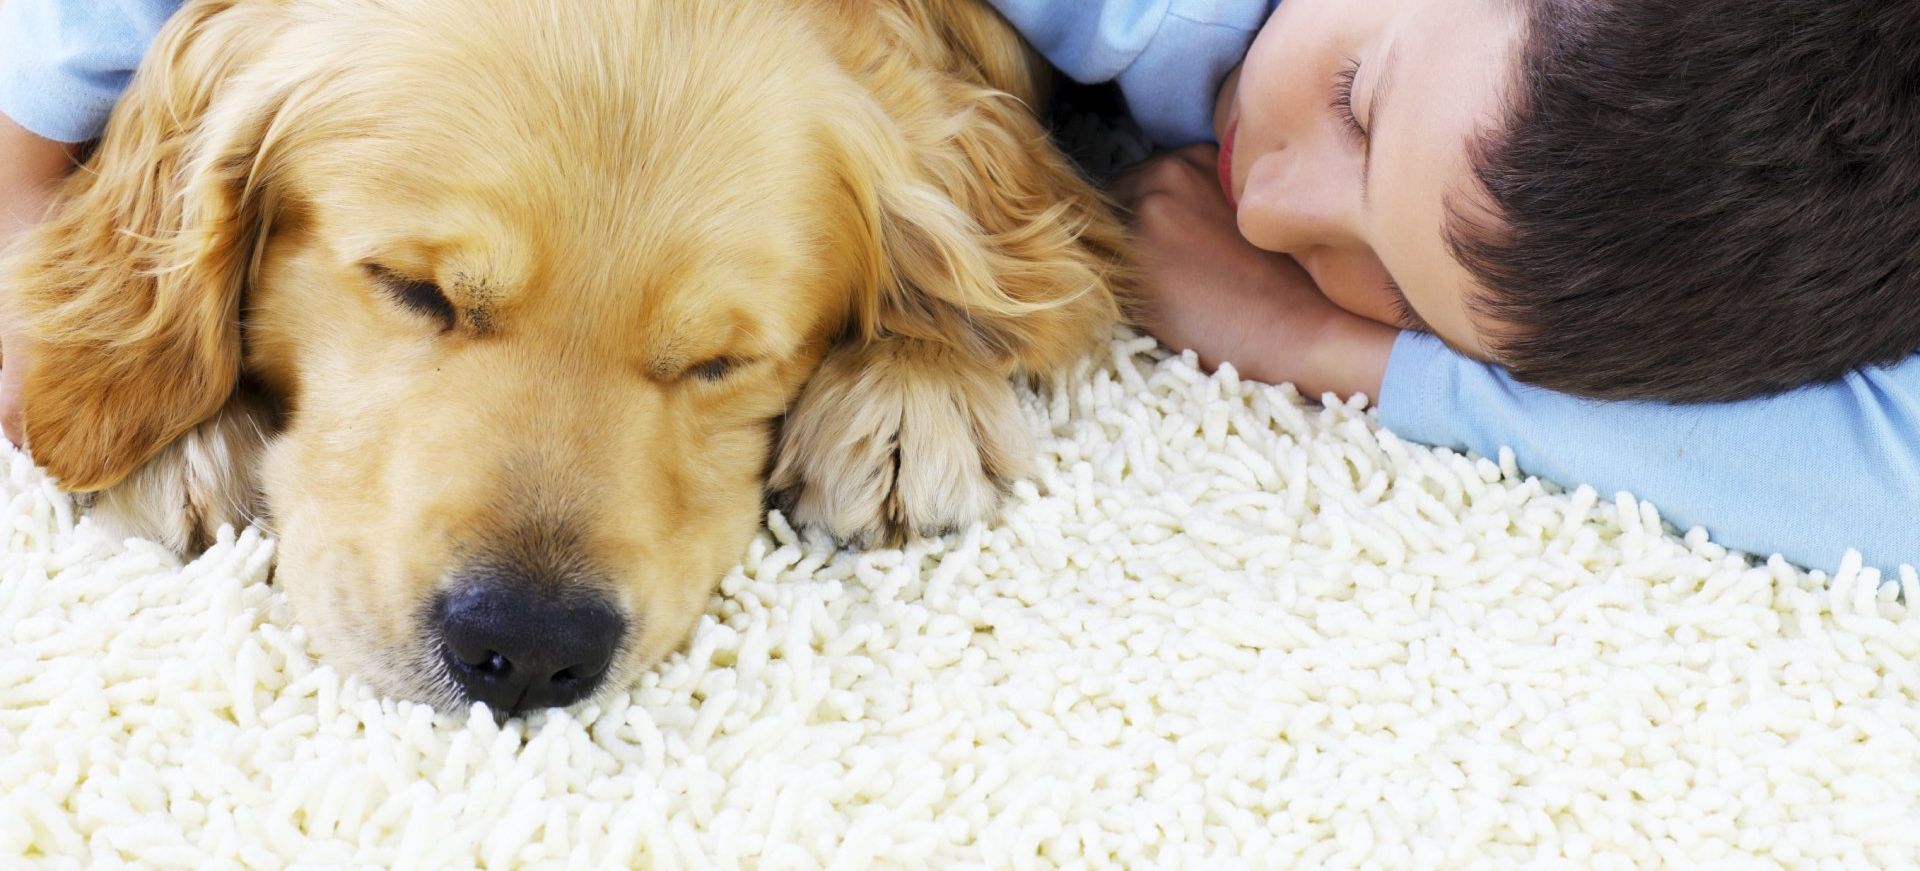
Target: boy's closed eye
1348,133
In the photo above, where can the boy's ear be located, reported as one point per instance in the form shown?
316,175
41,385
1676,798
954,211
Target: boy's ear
130,292
984,238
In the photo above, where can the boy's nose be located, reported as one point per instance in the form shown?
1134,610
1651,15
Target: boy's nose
1291,204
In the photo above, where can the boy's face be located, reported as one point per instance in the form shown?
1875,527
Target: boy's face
1362,200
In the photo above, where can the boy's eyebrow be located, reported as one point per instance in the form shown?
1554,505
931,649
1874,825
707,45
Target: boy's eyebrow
1382,85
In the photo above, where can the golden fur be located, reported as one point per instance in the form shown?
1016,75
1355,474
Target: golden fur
665,226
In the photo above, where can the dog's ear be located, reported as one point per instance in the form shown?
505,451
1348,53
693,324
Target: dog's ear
984,238
130,292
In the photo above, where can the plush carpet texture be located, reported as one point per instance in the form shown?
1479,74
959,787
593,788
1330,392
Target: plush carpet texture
1224,628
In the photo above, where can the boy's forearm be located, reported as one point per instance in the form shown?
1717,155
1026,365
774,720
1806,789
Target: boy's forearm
1352,358
1344,355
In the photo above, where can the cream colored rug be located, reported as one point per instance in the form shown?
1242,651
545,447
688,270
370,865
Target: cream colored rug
1223,629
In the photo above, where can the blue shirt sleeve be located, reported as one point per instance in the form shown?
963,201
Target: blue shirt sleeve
65,63
1169,57
1806,474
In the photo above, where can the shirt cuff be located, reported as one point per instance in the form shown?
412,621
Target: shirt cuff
1417,394
64,65
50,109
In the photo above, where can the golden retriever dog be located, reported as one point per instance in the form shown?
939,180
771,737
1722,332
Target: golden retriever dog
512,311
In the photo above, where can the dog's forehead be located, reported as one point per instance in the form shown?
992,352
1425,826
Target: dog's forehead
614,76
659,167
620,139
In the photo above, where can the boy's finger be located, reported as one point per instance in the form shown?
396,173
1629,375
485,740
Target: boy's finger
1202,156
1174,172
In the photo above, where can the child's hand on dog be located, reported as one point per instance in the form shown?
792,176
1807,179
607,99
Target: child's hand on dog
1211,291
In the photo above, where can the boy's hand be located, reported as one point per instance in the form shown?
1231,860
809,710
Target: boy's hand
30,170
1209,290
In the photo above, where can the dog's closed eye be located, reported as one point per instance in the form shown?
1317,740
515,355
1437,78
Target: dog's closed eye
416,295
715,369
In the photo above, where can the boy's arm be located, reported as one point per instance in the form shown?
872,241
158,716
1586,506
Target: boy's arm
1168,56
63,65
1806,474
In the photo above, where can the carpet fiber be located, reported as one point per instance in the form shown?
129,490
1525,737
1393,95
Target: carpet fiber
1223,628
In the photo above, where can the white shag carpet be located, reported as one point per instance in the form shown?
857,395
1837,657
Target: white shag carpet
1223,629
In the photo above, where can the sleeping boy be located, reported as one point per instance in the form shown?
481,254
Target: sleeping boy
1666,246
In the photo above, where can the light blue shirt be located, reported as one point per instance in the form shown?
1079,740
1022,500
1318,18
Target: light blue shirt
1169,57
1807,474
64,63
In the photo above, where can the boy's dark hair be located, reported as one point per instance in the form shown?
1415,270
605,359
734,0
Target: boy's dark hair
1702,200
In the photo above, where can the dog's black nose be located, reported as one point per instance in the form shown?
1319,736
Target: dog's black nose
518,649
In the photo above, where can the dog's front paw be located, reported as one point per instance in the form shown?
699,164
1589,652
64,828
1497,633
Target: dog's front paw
204,480
896,438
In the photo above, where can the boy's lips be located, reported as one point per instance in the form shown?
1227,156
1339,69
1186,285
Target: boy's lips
1226,164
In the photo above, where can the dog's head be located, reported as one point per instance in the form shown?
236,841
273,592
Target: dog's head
531,285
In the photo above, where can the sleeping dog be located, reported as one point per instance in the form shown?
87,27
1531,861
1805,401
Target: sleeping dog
506,315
